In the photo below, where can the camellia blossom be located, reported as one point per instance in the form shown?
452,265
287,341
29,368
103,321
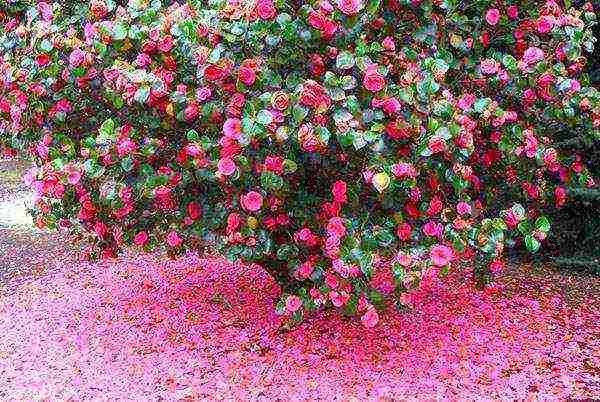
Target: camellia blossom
532,55
293,304
370,318
232,128
350,7
441,255
141,239
492,16
226,166
489,66
339,191
173,239
373,80
251,201
381,181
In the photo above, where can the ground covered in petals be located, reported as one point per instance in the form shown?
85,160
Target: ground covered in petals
147,328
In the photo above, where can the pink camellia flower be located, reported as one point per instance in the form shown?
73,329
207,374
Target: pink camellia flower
74,176
512,12
173,239
350,7
466,101
492,16
251,201
191,111
247,75
336,227
339,191
532,55
391,105
293,304
433,229
304,270
203,94
389,44
126,146
463,208
141,239
404,170
266,9
45,11
441,255
545,24
370,318
496,266
226,166
338,299
404,259
143,60
232,128
76,58
373,80
489,66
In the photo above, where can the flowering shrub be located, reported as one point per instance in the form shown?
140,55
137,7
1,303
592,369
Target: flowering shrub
312,138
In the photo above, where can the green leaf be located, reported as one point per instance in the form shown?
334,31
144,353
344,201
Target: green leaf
344,60
299,113
532,243
542,223
290,166
46,45
287,252
119,31
351,306
127,164
193,136
264,117
142,94
107,128
270,181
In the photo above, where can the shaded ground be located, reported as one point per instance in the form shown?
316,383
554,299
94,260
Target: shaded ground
147,328
23,249
11,172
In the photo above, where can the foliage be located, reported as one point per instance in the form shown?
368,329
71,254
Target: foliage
313,138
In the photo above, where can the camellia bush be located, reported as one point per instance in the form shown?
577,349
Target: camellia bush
312,138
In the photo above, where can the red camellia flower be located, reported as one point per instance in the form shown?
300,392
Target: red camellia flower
512,12
214,72
141,239
247,76
339,191
194,210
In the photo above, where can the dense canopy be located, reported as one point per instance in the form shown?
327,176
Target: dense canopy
315,138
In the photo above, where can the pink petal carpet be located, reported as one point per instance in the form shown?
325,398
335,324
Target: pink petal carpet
145,328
